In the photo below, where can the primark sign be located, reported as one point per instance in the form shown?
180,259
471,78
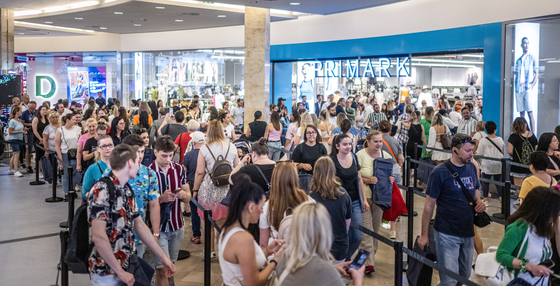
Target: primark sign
364,68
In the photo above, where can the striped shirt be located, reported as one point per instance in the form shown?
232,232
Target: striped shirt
375,118
467,126
173,180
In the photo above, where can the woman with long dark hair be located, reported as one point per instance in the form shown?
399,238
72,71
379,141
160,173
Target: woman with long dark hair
123,114
143,123
242,261
526,241
348,171
39,124
295,122
118,131
548,143
273,133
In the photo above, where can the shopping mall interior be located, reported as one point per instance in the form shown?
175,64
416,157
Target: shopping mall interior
262,51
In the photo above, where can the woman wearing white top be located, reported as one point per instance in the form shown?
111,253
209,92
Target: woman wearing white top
493,147
242,261
211,196
67,138
229,128
437,129
306,119
326,129
49,134
285,196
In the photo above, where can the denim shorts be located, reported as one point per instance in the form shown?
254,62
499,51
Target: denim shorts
104,280
16,146
170,242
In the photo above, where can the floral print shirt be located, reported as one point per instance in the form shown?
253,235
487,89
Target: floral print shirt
119,219
145,187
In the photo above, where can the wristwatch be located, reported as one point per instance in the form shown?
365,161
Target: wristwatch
156,235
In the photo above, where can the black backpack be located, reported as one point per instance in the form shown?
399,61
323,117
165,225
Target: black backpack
221,170
79,247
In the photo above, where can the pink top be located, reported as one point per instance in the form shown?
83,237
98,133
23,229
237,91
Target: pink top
82,140
291,132
274,135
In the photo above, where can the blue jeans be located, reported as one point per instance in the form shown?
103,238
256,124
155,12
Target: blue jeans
486,186
274,154
455,253
195,220
170,243
65,163
354,235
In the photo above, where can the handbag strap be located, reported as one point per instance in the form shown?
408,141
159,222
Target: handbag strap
390,149
553,163
499,149
263,176
456,177
64,137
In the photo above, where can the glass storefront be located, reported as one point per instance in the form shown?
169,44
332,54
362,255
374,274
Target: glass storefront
532,74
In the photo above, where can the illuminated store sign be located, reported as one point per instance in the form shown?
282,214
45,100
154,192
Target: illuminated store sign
366,68
46,93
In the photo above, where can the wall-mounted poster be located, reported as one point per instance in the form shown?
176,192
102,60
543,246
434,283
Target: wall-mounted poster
306,83
526,73
84,82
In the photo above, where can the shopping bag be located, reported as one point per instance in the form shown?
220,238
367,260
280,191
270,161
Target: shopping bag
398,206
419,274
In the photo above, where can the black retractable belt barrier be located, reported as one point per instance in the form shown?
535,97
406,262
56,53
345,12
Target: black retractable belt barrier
208,224
71,193
37,181
64,236
410,208
54,198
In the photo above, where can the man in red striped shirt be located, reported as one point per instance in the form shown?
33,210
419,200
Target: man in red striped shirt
174,190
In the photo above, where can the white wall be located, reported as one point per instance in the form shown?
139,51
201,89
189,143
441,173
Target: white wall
405,17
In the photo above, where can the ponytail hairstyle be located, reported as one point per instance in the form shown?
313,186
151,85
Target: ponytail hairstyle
336,142
243,192
345,125
370,136
260,147
415,115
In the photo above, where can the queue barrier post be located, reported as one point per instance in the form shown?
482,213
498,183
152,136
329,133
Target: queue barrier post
398,263
416,166
54,198
410,209
71,192
407,168
506,200
64,235
37,181
207,244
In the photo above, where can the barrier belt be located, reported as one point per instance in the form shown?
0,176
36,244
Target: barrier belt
195,202
509,161
420,162
48,151
497,183
438,267
373,234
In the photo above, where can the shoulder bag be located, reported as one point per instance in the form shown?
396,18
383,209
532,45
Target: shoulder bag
480,219
499,149
72,152
265,180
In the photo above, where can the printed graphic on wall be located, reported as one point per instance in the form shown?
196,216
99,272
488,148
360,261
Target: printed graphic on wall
526,73
306,83
84,82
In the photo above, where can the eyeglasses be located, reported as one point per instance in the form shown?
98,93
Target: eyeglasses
311,133
463,141
108,146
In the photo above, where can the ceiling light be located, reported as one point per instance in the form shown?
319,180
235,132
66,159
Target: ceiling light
84,4
56,9
27,24
473,56
102,28
26,13
294,4
161,8
48,22
443,65
221,16
119,13
137,25
78,18
178,20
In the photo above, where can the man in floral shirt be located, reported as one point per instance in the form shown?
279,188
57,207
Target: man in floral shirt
112,223
145,187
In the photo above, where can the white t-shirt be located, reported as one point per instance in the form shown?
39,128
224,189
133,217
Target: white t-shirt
229,130
332,120
479,136
487,149
237,114
51,131
455,117
69,138
263,219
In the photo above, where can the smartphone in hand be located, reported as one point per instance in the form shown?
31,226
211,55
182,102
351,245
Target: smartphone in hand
359,260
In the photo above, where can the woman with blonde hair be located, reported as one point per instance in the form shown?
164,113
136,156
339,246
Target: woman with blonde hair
143,107
327,190
326,127
209,195
307,259
91,127
285,196
434,139
114,113
306,119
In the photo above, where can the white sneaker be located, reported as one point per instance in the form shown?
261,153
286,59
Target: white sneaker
11,172
40,175
392,234
18,174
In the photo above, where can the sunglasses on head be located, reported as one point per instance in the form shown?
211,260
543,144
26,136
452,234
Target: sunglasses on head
464,140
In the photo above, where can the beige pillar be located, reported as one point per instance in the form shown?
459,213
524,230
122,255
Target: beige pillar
257,63
6,40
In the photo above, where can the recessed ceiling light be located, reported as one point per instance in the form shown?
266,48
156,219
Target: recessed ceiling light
294,4
119,13
160,8
178,20
48,22
78,18
137,25
102,28
221,16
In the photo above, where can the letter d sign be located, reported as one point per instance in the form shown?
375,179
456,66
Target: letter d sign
39,86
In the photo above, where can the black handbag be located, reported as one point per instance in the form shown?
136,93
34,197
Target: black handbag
141,270
72,152
419,274
480,219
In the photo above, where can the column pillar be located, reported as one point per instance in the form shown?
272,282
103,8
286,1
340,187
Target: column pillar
6,40
257,63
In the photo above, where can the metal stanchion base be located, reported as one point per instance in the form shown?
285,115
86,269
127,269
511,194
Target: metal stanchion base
415,213
36,183
64,224
499,215
183,254
54,200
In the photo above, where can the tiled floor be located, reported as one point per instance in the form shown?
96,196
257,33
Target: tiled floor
25,214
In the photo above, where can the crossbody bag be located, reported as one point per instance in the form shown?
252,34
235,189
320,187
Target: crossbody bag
72,152
499,149
480,219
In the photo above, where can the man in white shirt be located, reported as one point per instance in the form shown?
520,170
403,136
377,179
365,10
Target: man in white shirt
468,124
330,99
448,122
237,113
424,96
332,113
368,108
24,102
